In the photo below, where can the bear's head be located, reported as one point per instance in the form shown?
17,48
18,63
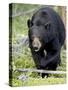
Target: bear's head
39,30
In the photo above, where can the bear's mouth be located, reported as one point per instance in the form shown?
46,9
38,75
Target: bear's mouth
36,49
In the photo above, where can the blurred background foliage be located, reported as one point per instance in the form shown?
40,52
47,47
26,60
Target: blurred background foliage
20,53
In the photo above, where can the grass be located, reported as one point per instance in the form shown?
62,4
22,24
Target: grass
38,81
33,78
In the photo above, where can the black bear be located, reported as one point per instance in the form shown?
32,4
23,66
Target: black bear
46,34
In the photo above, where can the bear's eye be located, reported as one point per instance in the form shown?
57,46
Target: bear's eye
38,23
47,26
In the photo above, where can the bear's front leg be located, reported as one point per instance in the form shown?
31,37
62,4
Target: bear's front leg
53,52
39,59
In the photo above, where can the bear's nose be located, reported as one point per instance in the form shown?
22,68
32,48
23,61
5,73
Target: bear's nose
35,48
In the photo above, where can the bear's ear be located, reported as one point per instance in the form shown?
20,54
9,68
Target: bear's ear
44,14
47,25
29,23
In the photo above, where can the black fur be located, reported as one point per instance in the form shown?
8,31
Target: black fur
47,25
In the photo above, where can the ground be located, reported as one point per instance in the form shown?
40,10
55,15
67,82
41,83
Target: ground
33,78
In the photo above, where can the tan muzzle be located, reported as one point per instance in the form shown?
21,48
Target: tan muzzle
36,44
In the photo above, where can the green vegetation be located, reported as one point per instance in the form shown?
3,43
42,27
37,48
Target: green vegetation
21,55
40,81
26,61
